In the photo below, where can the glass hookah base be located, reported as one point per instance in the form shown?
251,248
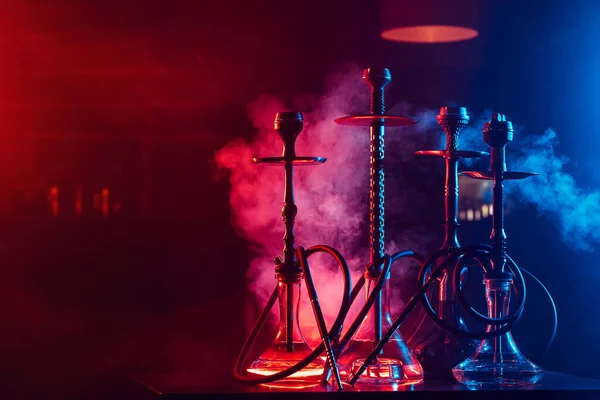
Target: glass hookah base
388,371
487,372
263,367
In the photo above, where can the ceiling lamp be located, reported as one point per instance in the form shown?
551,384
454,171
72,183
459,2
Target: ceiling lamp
429,21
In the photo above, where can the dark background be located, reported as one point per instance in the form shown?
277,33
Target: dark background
136,96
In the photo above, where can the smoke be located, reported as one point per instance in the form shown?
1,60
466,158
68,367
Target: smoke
554,192
332,198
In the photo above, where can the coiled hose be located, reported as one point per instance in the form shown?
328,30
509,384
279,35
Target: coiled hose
455,258
334,332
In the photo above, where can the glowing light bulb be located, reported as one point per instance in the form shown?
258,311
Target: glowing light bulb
470,215
477,215
484,211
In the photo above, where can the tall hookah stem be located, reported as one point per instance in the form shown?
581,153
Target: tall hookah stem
289,212
452,128
498,236
377,205
450,224
451,196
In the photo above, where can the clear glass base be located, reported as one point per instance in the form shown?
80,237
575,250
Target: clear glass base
277,359
497,361
487,371
388,368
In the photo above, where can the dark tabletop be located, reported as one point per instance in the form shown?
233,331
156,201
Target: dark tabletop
551,386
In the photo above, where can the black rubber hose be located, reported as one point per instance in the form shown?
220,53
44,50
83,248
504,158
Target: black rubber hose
343,342
554,312
333,332
396,324
387,264
455,257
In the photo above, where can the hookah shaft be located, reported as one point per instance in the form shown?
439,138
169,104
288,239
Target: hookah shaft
452,127
377,80
498,133
452,120
289,214
289,129
314,301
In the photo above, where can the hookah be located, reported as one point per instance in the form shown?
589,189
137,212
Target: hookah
394,363
497,360
289,361
439,351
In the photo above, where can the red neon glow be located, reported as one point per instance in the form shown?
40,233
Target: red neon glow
304,373
429,34
413,371
303,379
53,200
105,202
79,201
298,386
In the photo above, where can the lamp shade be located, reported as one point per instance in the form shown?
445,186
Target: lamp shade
429,21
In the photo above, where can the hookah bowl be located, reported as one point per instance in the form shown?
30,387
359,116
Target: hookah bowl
440,350
498,360
289,346
395,364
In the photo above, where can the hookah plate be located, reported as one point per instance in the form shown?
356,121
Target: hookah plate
294,161
489,175
368,120
457,153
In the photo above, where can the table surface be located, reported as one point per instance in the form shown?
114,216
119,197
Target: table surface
552,385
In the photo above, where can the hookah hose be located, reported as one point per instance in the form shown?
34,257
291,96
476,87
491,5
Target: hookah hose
388,261
421,296
479,254
335,331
